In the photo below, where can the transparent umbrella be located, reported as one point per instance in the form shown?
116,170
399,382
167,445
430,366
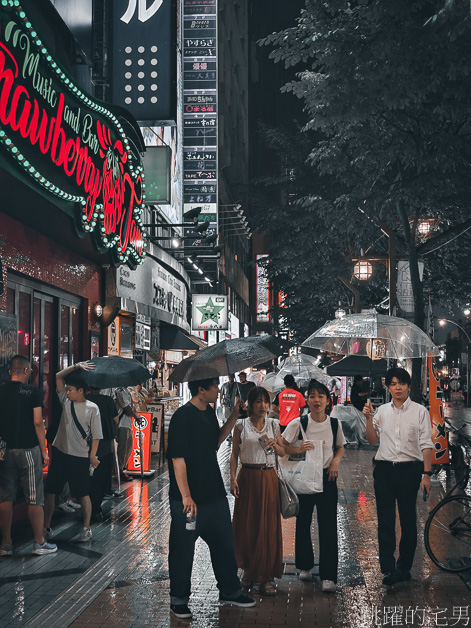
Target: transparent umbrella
303,368
228,356
273,382
375,335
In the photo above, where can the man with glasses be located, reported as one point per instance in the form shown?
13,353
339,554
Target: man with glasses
22,430
198,497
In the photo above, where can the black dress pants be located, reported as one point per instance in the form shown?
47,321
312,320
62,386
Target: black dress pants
396,483
326,503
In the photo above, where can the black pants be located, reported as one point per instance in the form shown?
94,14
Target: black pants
213,525
100,482
326,503
396,483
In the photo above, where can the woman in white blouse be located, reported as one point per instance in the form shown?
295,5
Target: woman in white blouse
257,522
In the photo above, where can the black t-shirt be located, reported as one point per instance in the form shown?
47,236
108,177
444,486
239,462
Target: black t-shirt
356,400
244,389
108,411
17,403
193,434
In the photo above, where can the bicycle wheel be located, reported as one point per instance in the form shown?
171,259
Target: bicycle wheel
459,465
447,534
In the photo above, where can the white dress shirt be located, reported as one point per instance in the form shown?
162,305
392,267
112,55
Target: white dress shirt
403,432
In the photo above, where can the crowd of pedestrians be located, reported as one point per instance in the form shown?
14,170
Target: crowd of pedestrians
84,448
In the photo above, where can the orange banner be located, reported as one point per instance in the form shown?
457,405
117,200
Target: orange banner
134,464
440,453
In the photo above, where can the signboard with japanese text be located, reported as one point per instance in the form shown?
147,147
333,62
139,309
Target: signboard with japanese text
200,135
405,294
134,464
142,336
113,337
157,412
440,454
68,146
144,58
262,290
209,311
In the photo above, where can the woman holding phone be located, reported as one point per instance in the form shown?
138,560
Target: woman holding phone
257,521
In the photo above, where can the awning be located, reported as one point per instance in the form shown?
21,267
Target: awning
173,338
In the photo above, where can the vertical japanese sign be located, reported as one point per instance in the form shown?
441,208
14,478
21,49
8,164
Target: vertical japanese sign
440,454
200,137
263,305
134,464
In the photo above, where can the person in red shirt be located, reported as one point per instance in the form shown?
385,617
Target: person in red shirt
288,403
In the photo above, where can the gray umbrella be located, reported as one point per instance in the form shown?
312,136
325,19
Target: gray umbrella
228,356
115,371
374,335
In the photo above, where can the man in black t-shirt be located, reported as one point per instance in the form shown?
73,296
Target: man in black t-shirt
100,482
244,386
197,492
22,428
358,395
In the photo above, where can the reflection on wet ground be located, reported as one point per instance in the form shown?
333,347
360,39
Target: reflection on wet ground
121,578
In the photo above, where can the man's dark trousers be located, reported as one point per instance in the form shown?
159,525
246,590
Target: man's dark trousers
396,482
213,525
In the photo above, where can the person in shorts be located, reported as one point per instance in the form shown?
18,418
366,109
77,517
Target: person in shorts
71,459
22,430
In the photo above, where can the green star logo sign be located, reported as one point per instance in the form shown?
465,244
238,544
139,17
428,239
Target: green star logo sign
210,311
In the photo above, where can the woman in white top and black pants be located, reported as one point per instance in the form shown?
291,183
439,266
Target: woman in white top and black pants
319,428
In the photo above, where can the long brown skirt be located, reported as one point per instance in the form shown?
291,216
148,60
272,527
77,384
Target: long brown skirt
257,525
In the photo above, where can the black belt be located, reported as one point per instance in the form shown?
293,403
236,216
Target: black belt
254,466
410,463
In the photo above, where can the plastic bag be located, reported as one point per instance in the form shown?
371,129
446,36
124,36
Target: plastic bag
304,471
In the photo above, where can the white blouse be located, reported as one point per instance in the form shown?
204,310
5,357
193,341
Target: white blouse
251,451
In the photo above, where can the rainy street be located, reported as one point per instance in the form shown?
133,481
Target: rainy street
121,578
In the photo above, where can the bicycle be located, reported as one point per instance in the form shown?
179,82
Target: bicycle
447,533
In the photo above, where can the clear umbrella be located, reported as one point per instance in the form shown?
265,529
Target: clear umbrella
303,368
374,335
273,383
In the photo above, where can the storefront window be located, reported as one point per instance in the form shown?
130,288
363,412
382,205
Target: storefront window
64,334
24,324
36,340
75,339
126,340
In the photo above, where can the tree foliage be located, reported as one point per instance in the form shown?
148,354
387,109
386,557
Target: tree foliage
386,89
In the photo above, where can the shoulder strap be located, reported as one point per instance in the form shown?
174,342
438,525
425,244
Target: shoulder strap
334,424
304,420
76,421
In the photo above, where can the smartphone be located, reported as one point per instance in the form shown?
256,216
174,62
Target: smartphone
425,495
263,442
243,414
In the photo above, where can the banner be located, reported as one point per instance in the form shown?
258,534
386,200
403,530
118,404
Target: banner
209,311
157,412
440,454
134,464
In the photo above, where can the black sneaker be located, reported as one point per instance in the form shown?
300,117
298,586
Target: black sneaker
242,600
389,578
181,611
401,575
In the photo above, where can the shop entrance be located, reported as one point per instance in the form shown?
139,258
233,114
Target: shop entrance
49,324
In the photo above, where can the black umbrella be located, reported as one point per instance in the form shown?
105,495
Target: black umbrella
358,365
228,356
114,371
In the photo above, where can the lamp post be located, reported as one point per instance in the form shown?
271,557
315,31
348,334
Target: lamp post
442,322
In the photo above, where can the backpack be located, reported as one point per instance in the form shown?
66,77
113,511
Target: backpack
334,424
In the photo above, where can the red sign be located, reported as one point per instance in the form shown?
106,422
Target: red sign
66,144
440,453
134,464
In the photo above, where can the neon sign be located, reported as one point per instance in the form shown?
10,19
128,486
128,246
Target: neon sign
67,144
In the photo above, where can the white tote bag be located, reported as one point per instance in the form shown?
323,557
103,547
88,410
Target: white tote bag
304,471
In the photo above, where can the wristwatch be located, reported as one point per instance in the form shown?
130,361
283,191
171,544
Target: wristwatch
428,473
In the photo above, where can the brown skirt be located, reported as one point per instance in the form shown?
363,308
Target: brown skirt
257,525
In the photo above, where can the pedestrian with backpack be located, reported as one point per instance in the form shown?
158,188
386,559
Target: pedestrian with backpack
317,429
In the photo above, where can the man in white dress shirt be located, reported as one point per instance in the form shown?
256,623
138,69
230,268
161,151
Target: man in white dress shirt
402,463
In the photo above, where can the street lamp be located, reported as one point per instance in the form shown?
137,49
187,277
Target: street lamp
442,322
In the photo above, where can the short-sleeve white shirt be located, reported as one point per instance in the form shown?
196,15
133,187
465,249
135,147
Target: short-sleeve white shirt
68,438
317,432
403,432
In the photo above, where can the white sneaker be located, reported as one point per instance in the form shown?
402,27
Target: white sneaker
328,586
73,505
305,575
65,507
48,533
85,535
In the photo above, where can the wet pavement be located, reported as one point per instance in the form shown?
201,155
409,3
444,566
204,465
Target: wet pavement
120,578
